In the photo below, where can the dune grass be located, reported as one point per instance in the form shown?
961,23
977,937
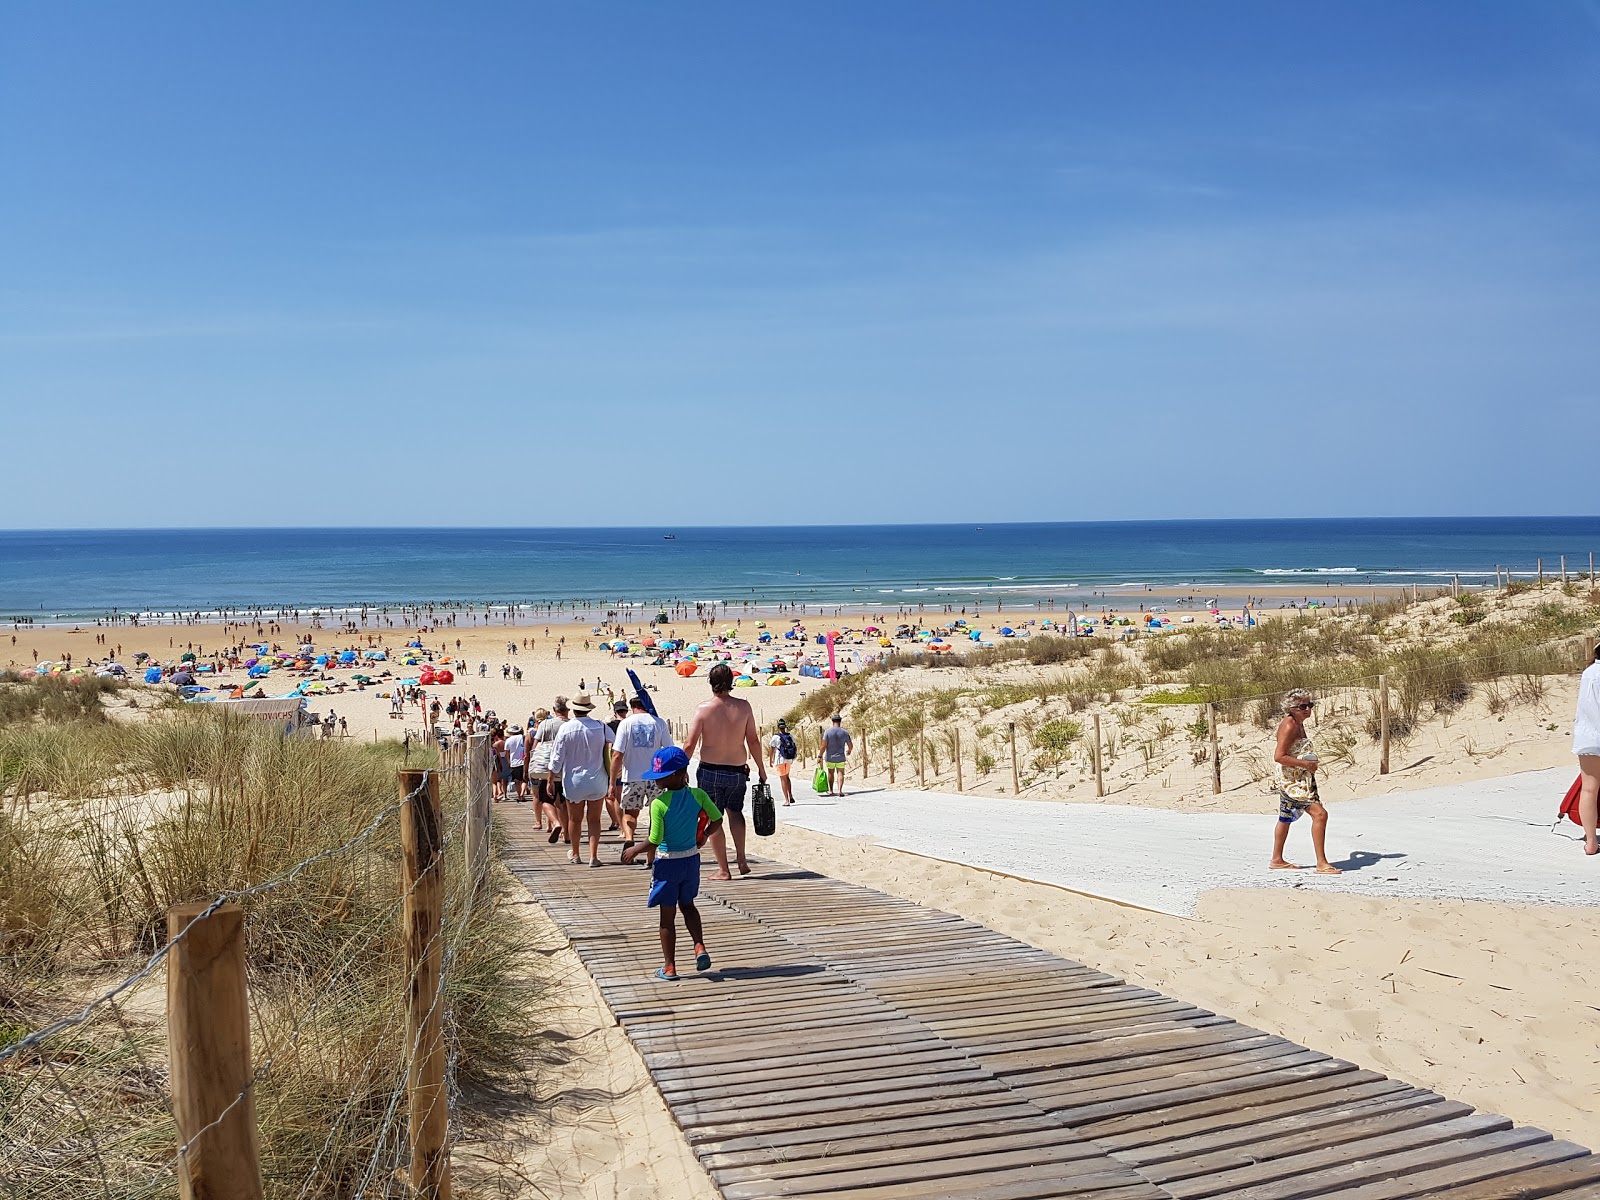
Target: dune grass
128,819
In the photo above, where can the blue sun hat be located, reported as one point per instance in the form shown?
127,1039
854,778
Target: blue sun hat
667,762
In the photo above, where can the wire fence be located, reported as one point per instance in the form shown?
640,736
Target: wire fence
126,1095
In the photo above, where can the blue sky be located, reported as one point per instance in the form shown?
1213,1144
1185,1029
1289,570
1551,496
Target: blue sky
494,263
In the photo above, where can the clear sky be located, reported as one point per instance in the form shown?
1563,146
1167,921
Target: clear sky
580,263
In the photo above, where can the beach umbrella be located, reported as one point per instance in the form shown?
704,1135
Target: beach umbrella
348,656
1007,631
322,660
761,624
415,645
188,656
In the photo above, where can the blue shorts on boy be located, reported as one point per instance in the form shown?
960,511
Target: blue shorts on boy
674,827
674,881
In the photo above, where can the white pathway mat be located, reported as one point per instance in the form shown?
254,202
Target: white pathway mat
1489,840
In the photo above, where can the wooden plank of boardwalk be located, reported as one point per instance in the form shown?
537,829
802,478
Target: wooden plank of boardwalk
850,1044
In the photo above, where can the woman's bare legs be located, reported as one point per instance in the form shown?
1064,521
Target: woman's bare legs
1589,800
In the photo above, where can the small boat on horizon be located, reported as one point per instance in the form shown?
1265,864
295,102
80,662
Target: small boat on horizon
669,537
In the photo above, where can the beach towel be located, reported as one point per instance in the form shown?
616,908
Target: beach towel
1569,806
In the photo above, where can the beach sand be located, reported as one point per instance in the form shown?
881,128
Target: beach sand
593,1127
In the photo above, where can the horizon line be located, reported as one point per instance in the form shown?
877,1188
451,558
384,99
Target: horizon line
443,528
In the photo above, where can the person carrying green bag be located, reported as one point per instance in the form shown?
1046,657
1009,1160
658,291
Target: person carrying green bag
819,782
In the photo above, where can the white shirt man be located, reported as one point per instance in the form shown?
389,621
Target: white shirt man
638,738
578,760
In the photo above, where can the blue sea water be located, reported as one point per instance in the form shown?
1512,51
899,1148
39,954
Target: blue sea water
55,575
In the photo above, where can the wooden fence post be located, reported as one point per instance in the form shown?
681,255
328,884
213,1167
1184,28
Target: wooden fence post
891,758
1016,783
479,802
1383,724
922,778
956,748
1563,568
1099,775
1541,571
428,1106
1216,761
1455,585
208,1034
866,759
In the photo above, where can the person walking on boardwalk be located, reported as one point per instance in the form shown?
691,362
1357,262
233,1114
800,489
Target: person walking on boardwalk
724,733
1297,784
836,747
637,740
1586,745
781,753
578,761
673,847
547,787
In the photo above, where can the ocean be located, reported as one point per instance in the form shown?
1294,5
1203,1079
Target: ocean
83,574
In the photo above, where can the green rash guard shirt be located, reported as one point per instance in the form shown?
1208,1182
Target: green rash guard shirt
674,821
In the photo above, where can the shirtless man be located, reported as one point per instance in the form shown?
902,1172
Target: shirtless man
724,732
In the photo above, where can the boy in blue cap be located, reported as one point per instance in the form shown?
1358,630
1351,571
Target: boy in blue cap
673,847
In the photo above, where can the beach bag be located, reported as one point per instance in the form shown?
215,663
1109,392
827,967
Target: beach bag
1569,806
786,747
819,781
762,811
583,784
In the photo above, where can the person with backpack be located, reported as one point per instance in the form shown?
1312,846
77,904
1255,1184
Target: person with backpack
781,754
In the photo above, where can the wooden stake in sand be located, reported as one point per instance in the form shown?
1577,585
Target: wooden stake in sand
1216,761
1099,775
480,798
922,779
1016,783
891,758
1563,568
1541,572
1383,724
956,749
208,1032
428,1108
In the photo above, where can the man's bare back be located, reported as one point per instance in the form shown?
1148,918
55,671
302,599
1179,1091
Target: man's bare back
721,731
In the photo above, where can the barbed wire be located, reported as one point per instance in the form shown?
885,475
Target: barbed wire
233,896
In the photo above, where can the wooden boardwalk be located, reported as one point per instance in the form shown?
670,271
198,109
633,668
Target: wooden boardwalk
849,1044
